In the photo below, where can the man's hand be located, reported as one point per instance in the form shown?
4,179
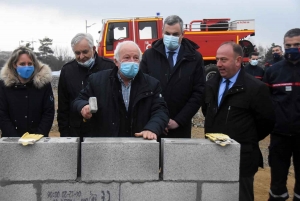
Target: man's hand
86,112
165,132
172,124
146,135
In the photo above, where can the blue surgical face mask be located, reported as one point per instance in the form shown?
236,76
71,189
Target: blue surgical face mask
253,62
276,56
89,63
129,69
292,54
171,42
25,71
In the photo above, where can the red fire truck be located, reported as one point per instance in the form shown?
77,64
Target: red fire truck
207,33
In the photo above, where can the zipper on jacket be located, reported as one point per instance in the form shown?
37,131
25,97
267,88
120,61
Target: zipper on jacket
131,123
179,73
228,111
133,108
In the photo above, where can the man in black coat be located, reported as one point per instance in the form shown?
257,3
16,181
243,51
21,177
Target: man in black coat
175,62
129,102
73,78
283,79
244,112
253,68
277,55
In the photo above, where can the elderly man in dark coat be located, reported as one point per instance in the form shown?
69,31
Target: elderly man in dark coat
129,102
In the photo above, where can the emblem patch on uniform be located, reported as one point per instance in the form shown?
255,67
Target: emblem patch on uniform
288,88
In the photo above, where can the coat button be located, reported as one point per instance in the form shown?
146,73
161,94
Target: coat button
26,96
25,116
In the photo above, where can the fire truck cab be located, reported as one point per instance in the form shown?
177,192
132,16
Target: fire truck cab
207,33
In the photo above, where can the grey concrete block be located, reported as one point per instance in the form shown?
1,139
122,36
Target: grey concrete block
199,159
220,191
47,159
15,192
119,159
166,191
80,191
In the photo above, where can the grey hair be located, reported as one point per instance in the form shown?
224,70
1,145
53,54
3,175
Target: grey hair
237,49
79,37
119,45
13,59
173,19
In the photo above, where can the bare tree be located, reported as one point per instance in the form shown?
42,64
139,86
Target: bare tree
63,53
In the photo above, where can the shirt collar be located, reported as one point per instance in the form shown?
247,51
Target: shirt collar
233,79
121,80
176,51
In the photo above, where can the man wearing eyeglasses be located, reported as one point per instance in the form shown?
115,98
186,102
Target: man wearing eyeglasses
73,78
176,63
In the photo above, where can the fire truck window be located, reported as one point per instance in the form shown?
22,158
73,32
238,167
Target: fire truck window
120,30
116,31
148,30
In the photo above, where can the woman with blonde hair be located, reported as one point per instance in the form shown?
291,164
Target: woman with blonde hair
26,96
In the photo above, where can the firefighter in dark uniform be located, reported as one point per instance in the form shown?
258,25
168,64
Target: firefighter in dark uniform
283,80
253,68
277,56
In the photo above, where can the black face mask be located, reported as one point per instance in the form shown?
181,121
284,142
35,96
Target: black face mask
292,54
276,56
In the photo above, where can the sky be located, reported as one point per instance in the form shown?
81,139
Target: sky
61,20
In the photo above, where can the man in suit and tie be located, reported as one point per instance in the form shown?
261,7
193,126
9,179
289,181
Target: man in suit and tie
239,105
176,63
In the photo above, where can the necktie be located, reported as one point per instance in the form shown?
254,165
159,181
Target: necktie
170,59
226,88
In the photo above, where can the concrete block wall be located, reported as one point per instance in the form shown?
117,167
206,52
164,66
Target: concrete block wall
119,159
118,169
48,159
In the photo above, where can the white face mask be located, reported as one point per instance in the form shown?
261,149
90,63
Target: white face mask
89,63
171,42
129,69
253,62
